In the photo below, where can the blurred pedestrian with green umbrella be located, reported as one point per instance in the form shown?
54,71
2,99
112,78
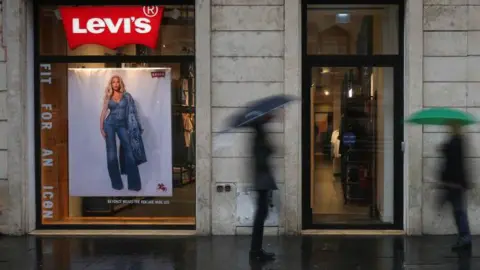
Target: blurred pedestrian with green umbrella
453,174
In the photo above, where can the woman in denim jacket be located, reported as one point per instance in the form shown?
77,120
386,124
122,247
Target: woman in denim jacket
119,117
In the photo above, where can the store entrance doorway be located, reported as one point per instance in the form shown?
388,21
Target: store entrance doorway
352,118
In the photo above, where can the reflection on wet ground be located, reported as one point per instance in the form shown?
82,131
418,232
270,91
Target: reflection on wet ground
231,252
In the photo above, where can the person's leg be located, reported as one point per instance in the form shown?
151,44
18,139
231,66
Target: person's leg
133,174
459,206
261,214
112,157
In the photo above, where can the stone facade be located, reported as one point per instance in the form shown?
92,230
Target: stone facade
16,128
451,78
245,50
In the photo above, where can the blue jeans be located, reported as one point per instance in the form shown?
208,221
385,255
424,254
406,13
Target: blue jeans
457,199
131,167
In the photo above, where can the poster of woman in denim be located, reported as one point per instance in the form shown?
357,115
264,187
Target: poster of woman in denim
119,118
120,135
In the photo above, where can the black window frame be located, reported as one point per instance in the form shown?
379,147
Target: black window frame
183,60
395,61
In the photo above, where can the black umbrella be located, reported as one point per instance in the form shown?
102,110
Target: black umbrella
257,109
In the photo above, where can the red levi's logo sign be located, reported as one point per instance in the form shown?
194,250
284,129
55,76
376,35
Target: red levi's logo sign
112,26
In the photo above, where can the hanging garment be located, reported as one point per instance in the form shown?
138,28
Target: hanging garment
187,128
135,130
179,151
335,144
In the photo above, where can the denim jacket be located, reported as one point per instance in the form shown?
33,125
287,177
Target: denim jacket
134,130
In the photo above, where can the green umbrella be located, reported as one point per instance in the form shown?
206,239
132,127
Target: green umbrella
441,116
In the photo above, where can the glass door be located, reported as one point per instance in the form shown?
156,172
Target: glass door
352,115
352,145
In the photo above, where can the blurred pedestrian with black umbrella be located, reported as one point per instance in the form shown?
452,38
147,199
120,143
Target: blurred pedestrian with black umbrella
257,115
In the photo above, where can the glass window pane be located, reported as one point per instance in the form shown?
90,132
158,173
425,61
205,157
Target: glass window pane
59,203
352,29
352,145
176,37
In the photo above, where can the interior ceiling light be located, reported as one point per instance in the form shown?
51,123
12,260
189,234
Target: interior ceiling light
57,14
326,92
325,70
174,14
342,18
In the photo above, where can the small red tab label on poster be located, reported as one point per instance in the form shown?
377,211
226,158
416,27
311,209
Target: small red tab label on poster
158,74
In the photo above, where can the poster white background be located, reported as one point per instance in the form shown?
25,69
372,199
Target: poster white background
88,173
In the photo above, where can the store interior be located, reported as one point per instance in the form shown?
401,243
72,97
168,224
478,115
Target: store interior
176,38
351,119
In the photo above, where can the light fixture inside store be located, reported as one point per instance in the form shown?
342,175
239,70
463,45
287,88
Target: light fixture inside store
350,92
342,18
174,14
326,92
57,14
325,70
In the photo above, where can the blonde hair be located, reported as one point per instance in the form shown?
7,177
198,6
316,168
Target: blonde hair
109,90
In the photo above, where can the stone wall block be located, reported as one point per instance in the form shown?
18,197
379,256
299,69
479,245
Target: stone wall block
3,135
238,170
445,43
3,75
445,2
224,208
247,2
3,167
473,64
473,41
445,18
249,43
251,69
238,94
445,69
241,145
248,18
3,105
473,18
445,94
473,94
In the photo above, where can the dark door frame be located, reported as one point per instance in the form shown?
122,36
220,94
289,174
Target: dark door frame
397,63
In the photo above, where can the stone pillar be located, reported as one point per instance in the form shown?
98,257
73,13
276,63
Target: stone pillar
247,64
203,116
293,117
17,199
413,98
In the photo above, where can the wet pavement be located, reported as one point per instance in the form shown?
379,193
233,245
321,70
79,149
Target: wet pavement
229,252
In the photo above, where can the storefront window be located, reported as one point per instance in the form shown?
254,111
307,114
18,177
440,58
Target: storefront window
352,29
117,139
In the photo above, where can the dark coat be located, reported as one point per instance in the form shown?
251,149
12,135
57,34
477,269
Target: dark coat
454,170
262,171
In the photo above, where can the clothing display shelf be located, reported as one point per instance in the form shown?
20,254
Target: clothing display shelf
358,159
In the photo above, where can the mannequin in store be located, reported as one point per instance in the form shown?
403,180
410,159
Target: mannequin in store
264,184
119,117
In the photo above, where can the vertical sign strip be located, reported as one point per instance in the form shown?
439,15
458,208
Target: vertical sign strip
49,154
